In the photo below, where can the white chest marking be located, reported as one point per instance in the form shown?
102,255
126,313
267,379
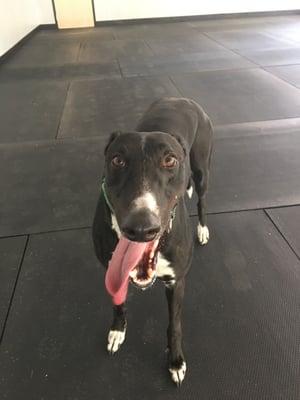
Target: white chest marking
115,225
163,267
147,200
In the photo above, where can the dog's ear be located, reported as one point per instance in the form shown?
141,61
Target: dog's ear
113,136
182,143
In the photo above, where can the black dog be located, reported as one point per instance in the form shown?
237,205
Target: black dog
141,228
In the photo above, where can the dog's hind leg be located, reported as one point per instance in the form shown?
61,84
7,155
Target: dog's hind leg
117,331
177,364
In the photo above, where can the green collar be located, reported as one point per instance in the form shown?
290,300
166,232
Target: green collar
103,190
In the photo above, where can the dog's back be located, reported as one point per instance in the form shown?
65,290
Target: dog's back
178,116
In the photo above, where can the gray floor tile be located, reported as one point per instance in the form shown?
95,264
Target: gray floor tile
273,127
254,172
154,30
111,49
242,39
287,31
45,54
240,96
65,72
240,23
49,185
289,55
181,45
30,110
101,107
172,64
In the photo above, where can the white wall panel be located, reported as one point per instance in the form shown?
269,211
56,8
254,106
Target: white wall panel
19,17
131,9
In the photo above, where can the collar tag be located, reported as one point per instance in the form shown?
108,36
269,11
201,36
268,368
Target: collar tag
172,217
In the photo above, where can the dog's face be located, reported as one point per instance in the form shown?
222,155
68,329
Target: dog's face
145,174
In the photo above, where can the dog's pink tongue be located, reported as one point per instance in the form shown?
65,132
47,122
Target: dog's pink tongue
126,256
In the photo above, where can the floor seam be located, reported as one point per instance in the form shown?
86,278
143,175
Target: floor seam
149,47
176,87
62,111
276,76
250,209
101,137
120,69
14,290
46,231
79,51
193,214
232,50
281,234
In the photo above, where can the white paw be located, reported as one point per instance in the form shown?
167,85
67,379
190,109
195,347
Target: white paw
115,339
178,374
203,234
190,192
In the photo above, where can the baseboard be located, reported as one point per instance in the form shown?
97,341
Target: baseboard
205,17
47,26
21,42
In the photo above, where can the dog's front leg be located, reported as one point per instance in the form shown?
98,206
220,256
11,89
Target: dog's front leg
117,331
177,364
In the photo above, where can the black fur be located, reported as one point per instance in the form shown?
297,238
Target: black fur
174,125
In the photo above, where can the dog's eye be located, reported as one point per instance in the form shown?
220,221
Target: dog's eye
169,161
118,162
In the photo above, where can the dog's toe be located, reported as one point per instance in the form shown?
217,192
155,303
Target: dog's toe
178,374
203,234
115,339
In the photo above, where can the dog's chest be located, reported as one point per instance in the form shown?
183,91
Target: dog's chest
164,269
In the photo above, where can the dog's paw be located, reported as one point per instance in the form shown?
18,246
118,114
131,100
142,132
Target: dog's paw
178,373
203,234
115,339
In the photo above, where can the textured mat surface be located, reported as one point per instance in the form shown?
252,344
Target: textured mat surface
100,107
240,96
240,322
191,62
287,220
289,73
69,172
54,185
26,113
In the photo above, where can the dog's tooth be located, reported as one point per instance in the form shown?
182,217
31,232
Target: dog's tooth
133,273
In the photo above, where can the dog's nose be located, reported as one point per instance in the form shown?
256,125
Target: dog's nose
141,226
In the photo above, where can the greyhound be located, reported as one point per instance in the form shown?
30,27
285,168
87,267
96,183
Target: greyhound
141,228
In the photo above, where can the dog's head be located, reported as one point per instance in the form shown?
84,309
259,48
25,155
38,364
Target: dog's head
145,175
